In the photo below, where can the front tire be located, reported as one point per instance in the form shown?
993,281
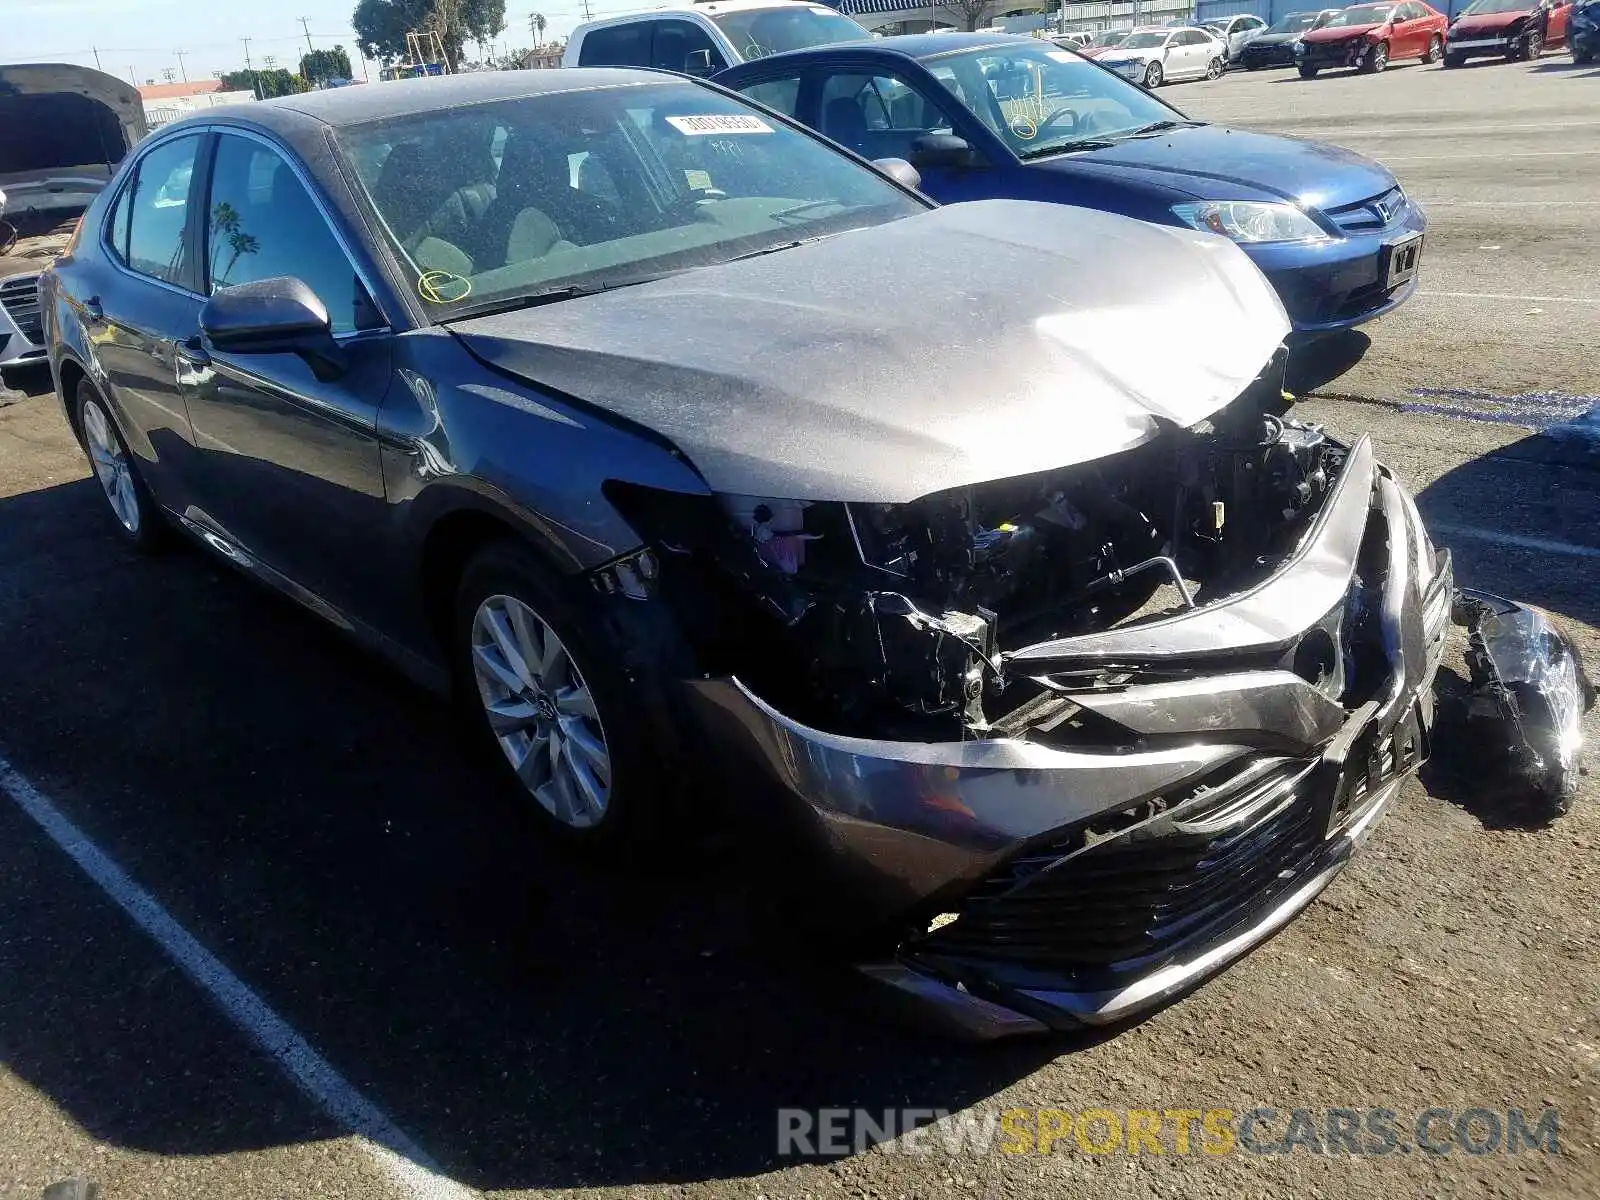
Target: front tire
1375,62
1532,47
544,698
1152,76
1308,72
1452,61
1435,50
134,513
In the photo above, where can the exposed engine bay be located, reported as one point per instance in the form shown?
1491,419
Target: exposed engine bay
894,620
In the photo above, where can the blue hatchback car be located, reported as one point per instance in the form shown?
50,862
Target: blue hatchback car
993,116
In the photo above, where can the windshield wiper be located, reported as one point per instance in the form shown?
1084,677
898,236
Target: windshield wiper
1096,143
1157,127
780,246
555,295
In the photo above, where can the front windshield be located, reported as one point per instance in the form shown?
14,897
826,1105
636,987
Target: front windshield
1294,23
1145,41
1108,38
1367,14
490,204
1042,101
759,32
1479,7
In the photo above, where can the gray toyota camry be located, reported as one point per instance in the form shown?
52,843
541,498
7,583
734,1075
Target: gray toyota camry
968,552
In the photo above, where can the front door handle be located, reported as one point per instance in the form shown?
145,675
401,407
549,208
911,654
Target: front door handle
92,311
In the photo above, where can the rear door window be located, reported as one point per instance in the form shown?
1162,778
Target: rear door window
158,213
626,45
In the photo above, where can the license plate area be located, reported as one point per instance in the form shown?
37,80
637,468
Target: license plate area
1400,261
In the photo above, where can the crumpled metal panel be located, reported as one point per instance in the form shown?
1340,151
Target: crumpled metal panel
1267,617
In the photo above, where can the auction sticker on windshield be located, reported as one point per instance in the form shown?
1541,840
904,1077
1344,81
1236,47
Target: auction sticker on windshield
719,124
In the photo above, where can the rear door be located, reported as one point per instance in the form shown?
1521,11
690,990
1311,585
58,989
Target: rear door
1411,32
290,462
149,303
1556,31
1192,52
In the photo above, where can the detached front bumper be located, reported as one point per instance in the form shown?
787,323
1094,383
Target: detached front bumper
1065,881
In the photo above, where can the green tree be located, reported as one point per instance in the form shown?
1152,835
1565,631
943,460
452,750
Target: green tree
265,84
382,25
537,24
322,65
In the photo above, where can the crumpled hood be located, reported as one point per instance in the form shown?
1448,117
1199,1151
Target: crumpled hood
963,344
1339,33
1486,22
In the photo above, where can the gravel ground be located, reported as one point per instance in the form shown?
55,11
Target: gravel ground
534,1027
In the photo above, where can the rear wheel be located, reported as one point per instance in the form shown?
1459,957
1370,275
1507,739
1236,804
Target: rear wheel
1377,60
132,508
1152,75
1308,72
1435,49
1214,69
543,696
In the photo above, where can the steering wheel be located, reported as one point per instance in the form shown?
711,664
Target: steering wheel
1066,116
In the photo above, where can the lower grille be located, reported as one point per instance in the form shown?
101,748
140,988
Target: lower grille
20,298
1175,879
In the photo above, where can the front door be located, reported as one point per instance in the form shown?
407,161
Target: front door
1556,30
291,471
148,307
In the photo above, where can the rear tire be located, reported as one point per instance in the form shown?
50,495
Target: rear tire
1435,50
134,513
570,732
1214,69
1152,76
1308,72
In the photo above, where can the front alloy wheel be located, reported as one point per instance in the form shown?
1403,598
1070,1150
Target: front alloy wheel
541,711
1532,45
1152,75
1377,59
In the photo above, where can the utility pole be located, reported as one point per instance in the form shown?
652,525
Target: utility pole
249,66
305,23
182,70
132,78
97,65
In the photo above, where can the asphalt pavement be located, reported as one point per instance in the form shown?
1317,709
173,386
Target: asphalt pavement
514,1022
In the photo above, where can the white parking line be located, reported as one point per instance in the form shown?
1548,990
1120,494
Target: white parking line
1432,131
1509,296
411,1171
1434,202
1512,539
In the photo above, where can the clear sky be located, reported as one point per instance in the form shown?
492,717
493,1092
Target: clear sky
145,35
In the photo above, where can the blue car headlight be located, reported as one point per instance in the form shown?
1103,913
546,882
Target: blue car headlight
1251,221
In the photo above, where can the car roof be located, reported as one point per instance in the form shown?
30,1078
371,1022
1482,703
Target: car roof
905,45
710,8
404,97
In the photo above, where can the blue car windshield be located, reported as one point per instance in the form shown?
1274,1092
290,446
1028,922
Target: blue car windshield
550,196
1041,100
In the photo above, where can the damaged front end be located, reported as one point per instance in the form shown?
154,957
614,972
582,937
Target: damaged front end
1077,739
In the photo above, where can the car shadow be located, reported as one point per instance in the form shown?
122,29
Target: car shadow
1316,363
531,1021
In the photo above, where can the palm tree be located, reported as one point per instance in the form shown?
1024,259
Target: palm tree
537,23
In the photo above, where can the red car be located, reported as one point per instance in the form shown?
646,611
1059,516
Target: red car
1369,37
1513,29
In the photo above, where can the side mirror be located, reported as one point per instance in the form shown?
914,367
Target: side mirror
274,316
899,170
941,150
697,62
